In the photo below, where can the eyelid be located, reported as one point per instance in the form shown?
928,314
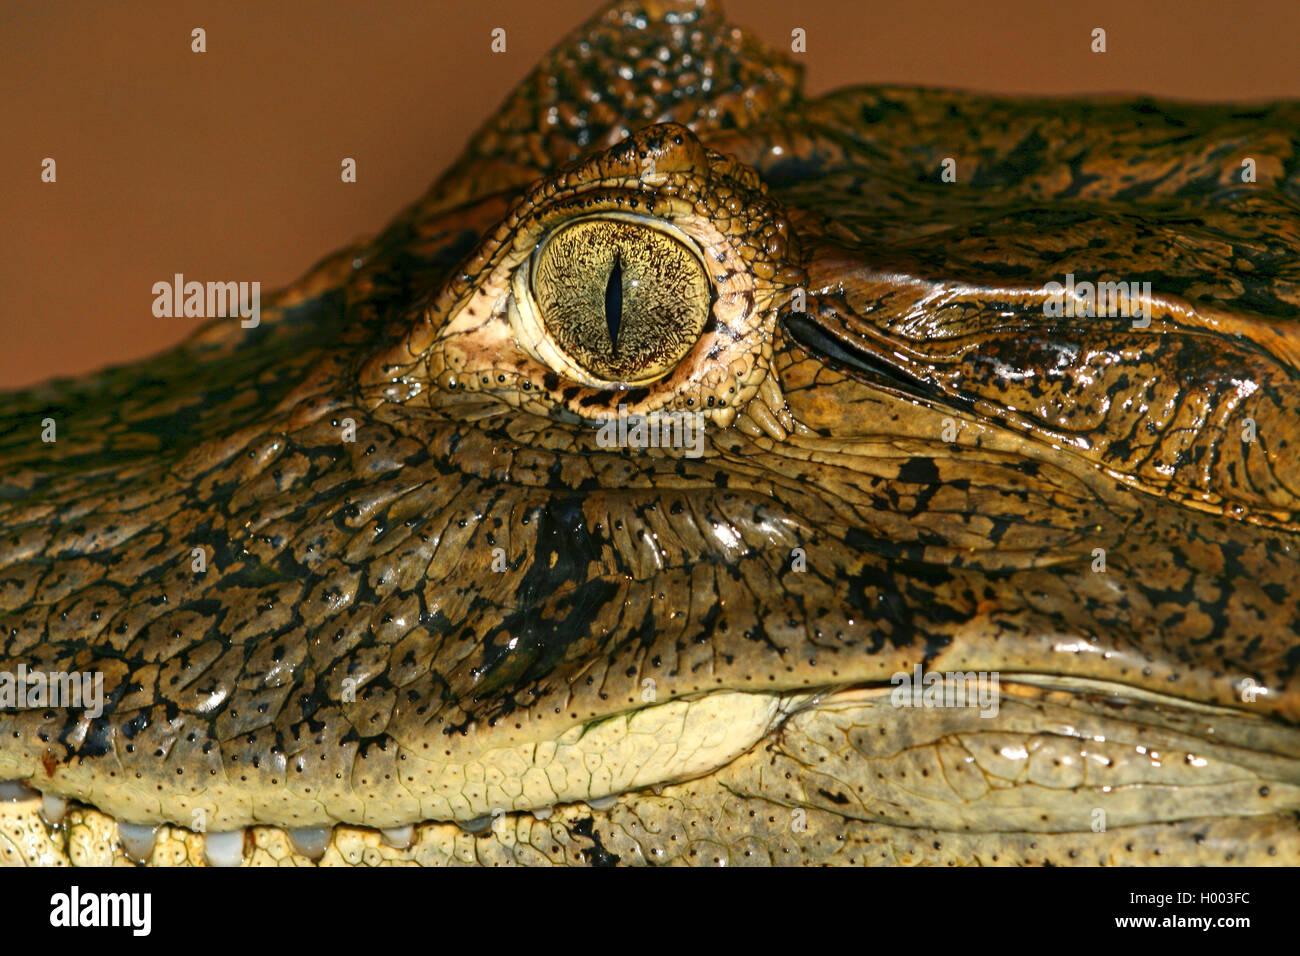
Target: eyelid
668,228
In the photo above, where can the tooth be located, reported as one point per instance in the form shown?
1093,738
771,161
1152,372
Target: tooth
310,841
477,825
399,837
137,840
769,393
748,426
766,420
16,791
543,813
224,849
53,808
603,803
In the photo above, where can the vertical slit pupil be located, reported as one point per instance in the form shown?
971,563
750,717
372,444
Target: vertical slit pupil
614,302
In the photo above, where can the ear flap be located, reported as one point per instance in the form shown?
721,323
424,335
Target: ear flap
637,63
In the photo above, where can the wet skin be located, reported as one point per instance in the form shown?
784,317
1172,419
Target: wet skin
431,595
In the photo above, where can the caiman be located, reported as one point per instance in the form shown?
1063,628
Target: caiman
954,392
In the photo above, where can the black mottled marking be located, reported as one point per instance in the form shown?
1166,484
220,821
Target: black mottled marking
1028,157
596,854
919,471
792,169
526,647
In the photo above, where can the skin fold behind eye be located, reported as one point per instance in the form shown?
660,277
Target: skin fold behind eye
623,300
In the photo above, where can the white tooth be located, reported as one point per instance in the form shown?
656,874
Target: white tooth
15,791
477,825
53,808
603,803
224,849
399,837
137,840
543,813
310,842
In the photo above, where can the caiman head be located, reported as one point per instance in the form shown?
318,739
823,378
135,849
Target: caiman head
699,472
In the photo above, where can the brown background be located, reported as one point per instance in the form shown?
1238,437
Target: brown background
225,165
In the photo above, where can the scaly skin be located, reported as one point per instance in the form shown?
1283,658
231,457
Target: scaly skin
474,613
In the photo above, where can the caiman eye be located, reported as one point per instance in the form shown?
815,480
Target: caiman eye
612,300
645,278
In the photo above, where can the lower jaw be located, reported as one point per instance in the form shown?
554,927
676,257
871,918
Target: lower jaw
849,778
648,829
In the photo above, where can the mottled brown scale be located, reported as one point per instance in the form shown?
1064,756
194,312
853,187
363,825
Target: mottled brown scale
908,461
